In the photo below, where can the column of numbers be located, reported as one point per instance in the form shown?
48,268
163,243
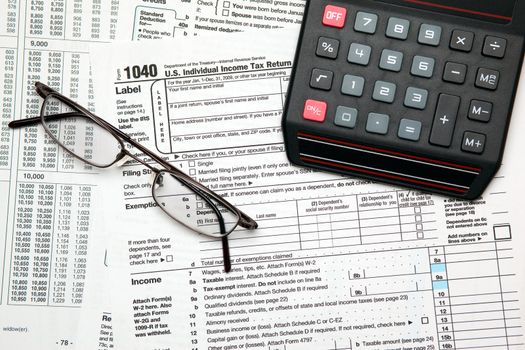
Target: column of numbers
61,71
7,96
442,305
72,215
46,18
32,239
9,10
50,244
91,20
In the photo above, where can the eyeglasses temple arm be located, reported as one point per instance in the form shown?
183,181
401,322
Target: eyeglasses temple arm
15,124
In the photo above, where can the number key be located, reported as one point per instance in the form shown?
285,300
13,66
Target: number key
359,54
365,22
397,28
391,60
353,85
429,35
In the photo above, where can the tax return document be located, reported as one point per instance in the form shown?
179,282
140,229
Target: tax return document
49,205
337,263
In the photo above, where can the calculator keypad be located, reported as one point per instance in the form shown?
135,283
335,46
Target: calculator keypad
420,67
390,80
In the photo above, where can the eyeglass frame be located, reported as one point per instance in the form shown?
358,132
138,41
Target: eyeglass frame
208,195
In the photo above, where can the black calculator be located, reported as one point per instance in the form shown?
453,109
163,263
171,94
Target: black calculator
415,93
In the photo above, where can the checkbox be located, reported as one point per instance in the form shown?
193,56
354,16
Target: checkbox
169,258
420,235
193,172
225,12
226,4
419,218
199,205
419,227
191,163
417,209
502,232
424,320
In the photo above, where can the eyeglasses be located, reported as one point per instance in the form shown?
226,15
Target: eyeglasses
195,206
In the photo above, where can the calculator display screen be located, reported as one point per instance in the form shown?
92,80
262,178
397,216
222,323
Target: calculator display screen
498,11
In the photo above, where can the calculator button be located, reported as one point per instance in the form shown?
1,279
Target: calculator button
391,60
359,54
487,79
455,73
473,142
353,85
480,110
346,117
397,28
445,120
494,47
423,66
409,129
321,79
462,40
328,48
429,35
365,22
377,123
416,98
315,110
384,91
334,16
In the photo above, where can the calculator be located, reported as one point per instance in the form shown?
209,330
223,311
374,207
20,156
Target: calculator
415,93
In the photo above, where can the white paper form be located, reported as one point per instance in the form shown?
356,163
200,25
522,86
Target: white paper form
48,200
337,263
169,19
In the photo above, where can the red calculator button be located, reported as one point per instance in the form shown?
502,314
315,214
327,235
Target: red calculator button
334,16
314,110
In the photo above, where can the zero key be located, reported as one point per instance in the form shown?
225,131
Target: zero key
334,16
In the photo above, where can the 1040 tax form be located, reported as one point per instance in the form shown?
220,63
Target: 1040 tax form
336,263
